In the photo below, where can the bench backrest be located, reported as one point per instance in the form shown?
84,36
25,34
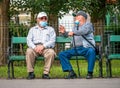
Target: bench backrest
59,39
98,38
19,40
114,44
114,38
62,43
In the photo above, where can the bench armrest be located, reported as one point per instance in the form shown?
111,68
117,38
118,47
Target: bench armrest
100,51
106,51
9,51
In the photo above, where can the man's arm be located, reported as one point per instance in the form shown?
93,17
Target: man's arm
29,40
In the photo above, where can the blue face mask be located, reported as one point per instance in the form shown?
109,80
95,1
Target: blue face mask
77,22
43,24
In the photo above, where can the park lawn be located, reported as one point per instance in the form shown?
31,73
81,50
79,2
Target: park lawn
56,70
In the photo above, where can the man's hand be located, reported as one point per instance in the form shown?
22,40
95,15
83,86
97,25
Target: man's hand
61,29
71,33
39,49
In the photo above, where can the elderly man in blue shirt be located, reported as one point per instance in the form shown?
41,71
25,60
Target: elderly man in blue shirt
83,48
41,41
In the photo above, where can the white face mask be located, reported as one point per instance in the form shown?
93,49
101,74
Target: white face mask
43,23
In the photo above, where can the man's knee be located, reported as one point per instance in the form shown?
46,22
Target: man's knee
91,51
29,51
49,53
61,54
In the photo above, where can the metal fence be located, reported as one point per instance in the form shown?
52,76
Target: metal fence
22,30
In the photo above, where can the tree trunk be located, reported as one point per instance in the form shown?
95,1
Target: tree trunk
4,32
53,21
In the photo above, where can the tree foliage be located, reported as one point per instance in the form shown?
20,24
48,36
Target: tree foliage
96,8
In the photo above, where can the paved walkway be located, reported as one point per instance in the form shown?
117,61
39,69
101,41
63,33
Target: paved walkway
61,83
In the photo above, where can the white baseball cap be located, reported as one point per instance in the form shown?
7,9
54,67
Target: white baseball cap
41,14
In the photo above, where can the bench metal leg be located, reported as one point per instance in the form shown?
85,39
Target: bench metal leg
100,68
107,68
110,68
12,70
9,69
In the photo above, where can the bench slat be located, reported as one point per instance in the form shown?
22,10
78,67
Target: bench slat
18,40
114,56
115,38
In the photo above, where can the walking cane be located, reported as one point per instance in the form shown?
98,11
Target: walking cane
76,57
76,53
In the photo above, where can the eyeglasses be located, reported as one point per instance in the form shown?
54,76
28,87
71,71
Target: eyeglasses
43,18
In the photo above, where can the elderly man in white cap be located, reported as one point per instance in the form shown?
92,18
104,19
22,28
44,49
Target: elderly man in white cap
83,48
41,41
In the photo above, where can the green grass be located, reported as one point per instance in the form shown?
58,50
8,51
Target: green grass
56,70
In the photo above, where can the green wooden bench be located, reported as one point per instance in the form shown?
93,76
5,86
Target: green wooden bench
112,52
17,44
